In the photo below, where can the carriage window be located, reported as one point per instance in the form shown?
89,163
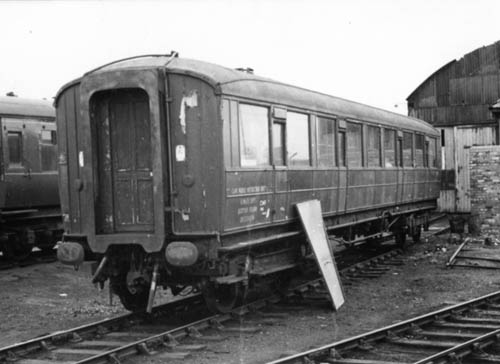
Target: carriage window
254,136
297,139
432,162
326,142
354,145
419,150
389,148
48,150
278,143
426,154
14,139
373,146
49,136
399,152
342,148
407,149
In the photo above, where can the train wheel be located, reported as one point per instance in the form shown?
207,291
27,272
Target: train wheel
47,249
18,247
221,298
12,252
135,299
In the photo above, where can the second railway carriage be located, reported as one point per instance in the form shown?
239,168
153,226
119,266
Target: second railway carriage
29,197
176,172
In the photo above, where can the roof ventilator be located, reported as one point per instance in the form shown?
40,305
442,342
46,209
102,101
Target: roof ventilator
245,69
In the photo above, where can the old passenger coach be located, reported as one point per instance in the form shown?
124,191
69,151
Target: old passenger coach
176,172
29,197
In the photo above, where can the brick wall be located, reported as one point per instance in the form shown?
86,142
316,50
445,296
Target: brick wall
484,168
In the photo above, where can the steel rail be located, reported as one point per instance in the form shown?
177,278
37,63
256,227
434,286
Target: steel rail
463,349
164,337
169,336
41,341
215,321
381,333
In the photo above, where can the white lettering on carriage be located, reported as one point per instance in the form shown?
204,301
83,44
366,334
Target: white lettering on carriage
251,209
247,190
247,219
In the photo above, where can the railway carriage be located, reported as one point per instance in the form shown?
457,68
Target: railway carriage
29,197
175,172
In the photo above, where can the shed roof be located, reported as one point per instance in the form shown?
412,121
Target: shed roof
470,66
430,77
16,106
243,84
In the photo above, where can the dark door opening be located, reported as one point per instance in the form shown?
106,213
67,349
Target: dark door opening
124,162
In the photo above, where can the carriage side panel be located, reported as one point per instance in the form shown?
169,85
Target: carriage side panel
196,138
68,116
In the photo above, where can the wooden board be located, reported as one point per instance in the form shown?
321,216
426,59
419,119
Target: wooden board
312,221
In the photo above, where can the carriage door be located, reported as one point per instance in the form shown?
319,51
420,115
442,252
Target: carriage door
125,193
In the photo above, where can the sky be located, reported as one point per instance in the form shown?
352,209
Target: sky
374,52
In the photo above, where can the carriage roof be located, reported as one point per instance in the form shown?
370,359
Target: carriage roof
239,83
15,106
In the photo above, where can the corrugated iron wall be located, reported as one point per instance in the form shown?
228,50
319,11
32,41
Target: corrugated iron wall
461,92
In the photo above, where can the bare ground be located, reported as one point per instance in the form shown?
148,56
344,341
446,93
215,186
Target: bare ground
51,297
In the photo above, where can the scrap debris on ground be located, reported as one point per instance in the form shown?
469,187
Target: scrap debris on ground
475,252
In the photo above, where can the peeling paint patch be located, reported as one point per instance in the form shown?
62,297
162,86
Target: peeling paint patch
191,100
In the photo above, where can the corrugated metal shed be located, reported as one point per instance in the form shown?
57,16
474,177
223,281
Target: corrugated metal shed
461,92
457,99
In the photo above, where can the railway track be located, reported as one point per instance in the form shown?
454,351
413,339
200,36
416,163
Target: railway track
166,331
120,337
468,332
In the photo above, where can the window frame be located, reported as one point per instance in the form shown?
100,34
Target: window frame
341,143
15,165
412,149
362,142
432,141
340,139
45,143
335,138
269,136
366,127
309,139
417,135
283,137
399,149
394,145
